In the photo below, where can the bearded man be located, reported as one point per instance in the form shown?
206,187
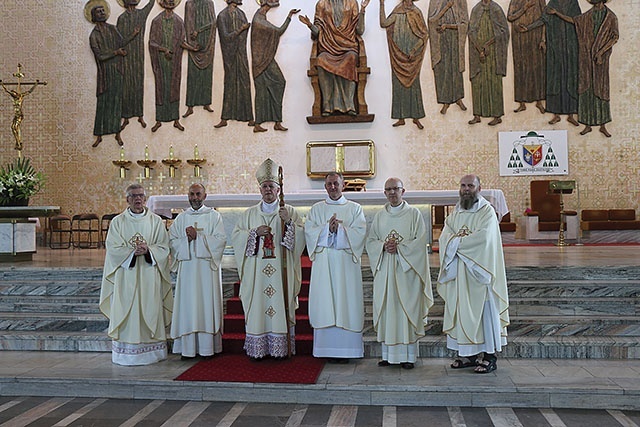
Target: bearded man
472,281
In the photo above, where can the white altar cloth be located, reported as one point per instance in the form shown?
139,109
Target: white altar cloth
231,205
163,204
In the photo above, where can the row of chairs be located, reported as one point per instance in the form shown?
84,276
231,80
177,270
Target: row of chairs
85,230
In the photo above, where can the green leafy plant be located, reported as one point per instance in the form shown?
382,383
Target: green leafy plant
19,181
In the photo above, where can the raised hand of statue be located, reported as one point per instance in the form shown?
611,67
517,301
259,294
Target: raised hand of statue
364,5
305,20
293,12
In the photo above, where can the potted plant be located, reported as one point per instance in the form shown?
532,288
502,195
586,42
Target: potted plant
19,181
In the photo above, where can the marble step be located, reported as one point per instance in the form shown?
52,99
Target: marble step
610,325
556,347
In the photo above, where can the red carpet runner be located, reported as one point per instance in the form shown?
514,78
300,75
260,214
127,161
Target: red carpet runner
234,365
239,368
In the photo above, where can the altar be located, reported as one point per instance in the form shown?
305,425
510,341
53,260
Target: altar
18,230
231,205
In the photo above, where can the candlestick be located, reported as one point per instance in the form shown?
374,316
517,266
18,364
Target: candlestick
171,152
146,152
196,153
122,153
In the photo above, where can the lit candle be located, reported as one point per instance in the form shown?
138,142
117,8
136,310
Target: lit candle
171,152
196,153
146,152
122,153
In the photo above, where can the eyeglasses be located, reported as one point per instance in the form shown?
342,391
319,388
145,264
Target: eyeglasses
390,189
137,196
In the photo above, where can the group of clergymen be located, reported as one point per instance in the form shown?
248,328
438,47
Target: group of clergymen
268,241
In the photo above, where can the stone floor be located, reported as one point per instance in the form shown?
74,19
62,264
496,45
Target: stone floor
531,383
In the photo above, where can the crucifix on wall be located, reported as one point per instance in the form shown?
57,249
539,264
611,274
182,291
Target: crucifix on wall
18,96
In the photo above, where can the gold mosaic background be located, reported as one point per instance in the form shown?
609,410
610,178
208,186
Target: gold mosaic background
50,39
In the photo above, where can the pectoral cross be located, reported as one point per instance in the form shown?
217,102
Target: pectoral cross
393,236
464,231
195,226
136,240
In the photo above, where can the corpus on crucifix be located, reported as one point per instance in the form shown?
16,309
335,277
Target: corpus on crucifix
18,96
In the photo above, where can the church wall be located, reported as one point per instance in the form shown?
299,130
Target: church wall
51,39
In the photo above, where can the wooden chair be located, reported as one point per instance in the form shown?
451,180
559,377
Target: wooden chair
543,220
85,230
59,231
105,221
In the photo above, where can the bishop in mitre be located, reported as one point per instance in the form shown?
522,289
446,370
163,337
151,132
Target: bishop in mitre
197,239
136,292
402,294
266,239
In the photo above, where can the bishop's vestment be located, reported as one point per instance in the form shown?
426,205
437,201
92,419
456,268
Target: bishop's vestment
260,267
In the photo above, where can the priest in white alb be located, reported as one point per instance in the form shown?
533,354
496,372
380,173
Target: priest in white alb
268,240
197,239
136,292
402,295
472,281
335,231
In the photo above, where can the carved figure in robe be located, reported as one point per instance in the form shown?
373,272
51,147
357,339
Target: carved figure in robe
448,25
488,41
597,31
562,59
107,47
529,52
407,36
233,31
336,27
268,79
200,24
131,24
166,43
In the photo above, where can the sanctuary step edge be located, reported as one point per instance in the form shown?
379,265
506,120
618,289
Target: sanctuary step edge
567,312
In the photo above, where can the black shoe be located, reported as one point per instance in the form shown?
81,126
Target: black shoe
187,357
256,359
207,357
384,363
407,365
338,360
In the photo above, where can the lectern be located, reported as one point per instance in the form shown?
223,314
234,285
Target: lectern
562,187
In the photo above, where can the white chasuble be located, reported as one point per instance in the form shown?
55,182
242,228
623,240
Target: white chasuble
335,294
198,307
136,294
402,293
472,280
261,270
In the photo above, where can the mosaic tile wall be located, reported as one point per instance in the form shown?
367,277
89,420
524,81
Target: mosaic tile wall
51,39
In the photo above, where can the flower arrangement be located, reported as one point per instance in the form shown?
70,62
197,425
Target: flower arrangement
19,181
